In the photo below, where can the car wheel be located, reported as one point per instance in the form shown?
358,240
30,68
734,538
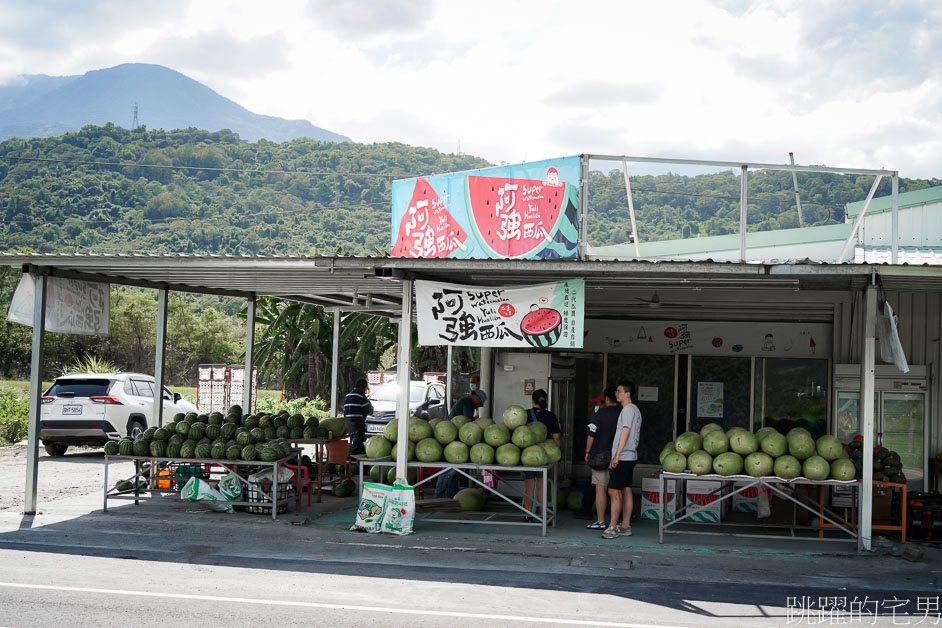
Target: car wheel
55,450
135,428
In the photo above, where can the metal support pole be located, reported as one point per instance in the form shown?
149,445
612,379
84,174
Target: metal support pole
249,373
162,296
867,412
404,378
863,210
487,360
583,206
335,364
742,212
791,157
449,373
631,210
894,248
35,395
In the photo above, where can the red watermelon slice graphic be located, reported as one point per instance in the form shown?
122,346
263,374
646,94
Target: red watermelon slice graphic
515,217
541,326
427,229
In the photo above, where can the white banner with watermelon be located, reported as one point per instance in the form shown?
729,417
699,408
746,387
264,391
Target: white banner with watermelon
548,315
521,211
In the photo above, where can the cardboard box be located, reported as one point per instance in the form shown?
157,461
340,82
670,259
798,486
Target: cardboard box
843,497
746,500
702,508
650,496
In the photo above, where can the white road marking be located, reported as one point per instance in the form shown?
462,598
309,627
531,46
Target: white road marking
346,607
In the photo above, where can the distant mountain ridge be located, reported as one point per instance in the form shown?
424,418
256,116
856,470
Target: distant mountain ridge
43,106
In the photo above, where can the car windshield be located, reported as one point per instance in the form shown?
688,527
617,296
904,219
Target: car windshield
387,392
80,387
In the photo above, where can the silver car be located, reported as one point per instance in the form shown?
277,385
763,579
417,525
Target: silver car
426,401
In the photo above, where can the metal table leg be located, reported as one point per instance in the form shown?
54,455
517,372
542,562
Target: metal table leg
660,507
105,507
274,492
544,494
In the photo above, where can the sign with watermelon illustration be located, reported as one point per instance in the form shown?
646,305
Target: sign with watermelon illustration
543,316
523,211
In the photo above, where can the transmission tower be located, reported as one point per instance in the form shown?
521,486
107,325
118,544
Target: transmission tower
134,122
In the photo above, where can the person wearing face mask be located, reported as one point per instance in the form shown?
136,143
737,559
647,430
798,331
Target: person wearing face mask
539,413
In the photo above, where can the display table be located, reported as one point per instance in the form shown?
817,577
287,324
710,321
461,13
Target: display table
274,500
774,484
542,513
323,456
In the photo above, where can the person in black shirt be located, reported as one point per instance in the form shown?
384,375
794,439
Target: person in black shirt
539,413
600,438
356,407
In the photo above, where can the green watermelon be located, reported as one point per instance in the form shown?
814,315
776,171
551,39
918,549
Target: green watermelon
186,450
173,450
258,434
233,452
265,421
203,450
198,430
148,434
279,421
179,416
218,450
212,432
183,428
158,448
227,430
190,417
126,447
309,432
296,433
244,438
283,432
295,420
111,448
215,418
248,452
141,447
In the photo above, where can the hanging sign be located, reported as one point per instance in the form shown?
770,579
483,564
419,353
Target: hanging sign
710,400
522,211
72,306
542,316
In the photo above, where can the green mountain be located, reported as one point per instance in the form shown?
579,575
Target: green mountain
40,106
320,196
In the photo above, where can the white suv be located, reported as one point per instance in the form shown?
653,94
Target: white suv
91,409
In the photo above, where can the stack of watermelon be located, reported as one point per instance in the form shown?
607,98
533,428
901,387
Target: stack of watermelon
738,451
887,465
231,437
461,440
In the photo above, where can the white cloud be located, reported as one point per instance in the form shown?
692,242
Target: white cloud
844,84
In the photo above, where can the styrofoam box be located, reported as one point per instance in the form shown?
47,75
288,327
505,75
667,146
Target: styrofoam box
650,496
712,511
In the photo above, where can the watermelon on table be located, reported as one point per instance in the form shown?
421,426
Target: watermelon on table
427,229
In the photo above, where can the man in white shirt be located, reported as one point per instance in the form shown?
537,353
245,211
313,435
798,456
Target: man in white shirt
622,466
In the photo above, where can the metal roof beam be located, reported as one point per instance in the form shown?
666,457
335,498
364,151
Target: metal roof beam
741,164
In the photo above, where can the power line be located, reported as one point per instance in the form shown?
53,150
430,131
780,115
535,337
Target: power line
123,164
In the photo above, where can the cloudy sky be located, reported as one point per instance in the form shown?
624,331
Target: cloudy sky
853,83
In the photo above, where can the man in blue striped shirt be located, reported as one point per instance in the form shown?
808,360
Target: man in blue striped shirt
356,407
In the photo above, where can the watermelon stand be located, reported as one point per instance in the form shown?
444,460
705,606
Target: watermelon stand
543,512
156,483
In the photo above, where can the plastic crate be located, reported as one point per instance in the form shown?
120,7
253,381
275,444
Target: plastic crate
925,516
261,492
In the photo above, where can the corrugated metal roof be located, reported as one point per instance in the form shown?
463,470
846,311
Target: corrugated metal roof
906,199
910,256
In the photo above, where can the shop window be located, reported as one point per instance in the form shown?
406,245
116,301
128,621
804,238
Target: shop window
792,393
653,376
719,392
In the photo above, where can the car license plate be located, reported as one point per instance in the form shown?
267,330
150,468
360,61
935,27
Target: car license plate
71,410
374,428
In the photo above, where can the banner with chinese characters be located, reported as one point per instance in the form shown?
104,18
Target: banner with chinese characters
523,211
543,316
666,337
72,306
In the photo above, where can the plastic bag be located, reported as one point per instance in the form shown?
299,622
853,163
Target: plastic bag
372,507
231,487
199,490
265,475
400,510
891,350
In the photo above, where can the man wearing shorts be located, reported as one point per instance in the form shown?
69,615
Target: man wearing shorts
622,466
600,438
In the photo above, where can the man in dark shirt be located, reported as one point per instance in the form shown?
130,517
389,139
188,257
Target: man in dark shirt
356,407
468,405
600,438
